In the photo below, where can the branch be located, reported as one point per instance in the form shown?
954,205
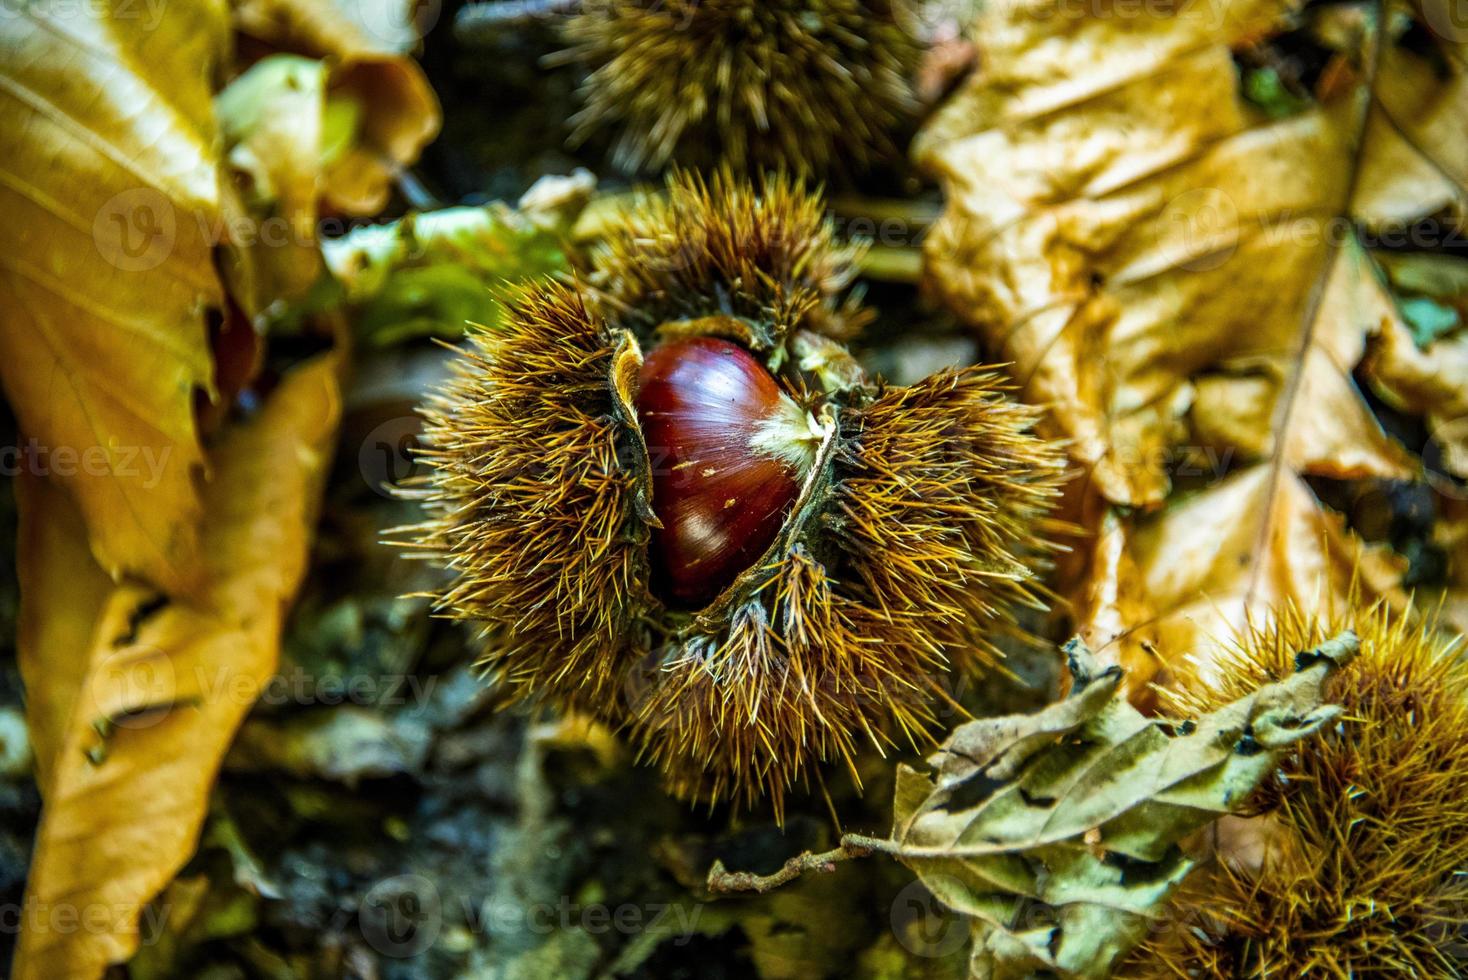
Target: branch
722,882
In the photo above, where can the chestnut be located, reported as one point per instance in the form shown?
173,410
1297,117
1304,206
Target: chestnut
666,495
728,449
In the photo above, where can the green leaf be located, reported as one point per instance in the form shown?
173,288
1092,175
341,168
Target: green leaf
1264,88
1057,833
430,274
1431,290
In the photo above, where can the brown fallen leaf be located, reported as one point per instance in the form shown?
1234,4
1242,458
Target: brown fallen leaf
1113,610
382,109
1427,376
1258,541
69,575
134,698
109,185
1183,275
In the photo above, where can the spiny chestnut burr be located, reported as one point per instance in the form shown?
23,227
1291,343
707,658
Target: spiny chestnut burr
1364,833
728,449
668,497
811,86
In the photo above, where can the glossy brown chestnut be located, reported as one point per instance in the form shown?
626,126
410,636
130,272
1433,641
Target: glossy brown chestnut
726,447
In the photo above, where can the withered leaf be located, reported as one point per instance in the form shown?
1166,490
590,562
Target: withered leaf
109,183
1057,833
383,111
1187,277
1418,360
274,119
133,698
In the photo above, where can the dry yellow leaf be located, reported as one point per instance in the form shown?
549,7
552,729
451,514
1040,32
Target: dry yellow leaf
1184,277
134,698
336,27
109,185
1112,611
1258,541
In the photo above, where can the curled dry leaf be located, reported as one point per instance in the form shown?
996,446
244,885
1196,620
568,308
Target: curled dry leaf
133,698
335,27
109,184
275,122
1184,277
1418,361
1057,833
378,108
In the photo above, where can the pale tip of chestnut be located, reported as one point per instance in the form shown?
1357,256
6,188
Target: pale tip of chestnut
789,434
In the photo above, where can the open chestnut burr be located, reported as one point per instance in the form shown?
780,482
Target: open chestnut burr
669,497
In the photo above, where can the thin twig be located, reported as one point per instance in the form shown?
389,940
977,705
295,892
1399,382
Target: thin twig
724,882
